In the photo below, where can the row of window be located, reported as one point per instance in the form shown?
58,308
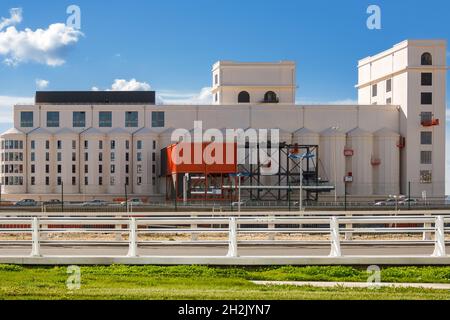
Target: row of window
59,181
11,168
12,181
79,119
12,144
59,144
12,156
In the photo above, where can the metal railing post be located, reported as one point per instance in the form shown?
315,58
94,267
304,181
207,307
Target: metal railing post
271,226
335,240
194,235
132,250
36,248
232,238
439,238
427,234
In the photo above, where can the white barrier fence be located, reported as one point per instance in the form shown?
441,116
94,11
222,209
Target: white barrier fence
338,231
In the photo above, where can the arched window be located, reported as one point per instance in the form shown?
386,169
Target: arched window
243,97
427,59
270,96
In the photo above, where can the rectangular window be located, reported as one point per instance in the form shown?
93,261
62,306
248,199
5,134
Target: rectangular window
154,144
86,156
74,156
86,168
127,156
47,156
426,98
139,156
47,181
139,181
33,156
100,168
33,181
113,168
389,85
58,181
158,119
52,119
426,117
127,144
127,169
86,181
427,79
153,169
153,156
33,169
112,181
374,90
105,119
47,168
131,119
100,181
100,144
33,144
425,176
113,156
47,144
426,137
139,144
86,144
59,144
74,181
100,156
127,180
79,119
389,101
59,168
139,168
74,168
26,119
59,156
216,78
425,157
74,144
113,144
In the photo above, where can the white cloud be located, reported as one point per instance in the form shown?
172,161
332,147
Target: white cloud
16,18
126,85
42,84
204,97
6,106
44,46
131,85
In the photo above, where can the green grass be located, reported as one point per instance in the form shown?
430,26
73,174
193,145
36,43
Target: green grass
202,282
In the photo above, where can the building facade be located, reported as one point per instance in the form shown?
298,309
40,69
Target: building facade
94,145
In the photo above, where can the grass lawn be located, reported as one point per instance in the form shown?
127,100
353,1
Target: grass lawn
202,282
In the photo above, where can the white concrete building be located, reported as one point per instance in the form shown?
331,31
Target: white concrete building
95,143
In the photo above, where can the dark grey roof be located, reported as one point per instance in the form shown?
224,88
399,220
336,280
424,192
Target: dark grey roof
95,97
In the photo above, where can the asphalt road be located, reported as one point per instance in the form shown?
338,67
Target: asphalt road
218,250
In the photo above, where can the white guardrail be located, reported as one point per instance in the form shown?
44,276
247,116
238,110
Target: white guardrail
335,231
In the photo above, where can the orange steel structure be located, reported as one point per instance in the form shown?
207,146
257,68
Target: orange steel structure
207,167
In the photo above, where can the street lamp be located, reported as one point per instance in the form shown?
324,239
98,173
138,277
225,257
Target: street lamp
300,157
239,175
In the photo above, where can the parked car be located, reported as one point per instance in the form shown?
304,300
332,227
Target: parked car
133,202
411,202
387,202
26,203
95,203
52,202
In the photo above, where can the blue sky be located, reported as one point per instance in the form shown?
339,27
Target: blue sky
170,45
